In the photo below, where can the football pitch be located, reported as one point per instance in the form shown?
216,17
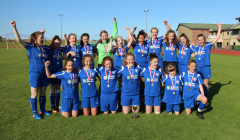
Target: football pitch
221,115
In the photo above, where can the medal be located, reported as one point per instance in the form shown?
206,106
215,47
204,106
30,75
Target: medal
58,63
171,46
89,79
41,51
152,78
173,92
142,50
171,53
120,52
153,51
86,52
172,83
122,58
72,79
74,59
190,84
199,58
131,76
105,48
108,76
182,57
200,52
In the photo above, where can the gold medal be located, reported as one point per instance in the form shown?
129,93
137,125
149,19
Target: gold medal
73,87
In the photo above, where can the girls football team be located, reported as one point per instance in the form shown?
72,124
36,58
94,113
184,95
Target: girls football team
135,76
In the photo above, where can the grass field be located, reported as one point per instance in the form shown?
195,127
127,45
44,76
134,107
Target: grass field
221,115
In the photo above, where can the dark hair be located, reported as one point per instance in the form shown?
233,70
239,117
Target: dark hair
103,31
152,56
192,61
201,35
84,34
187,40
34,36
67,60
51,45
84,58
175,41
123,48
69,38
105,59
141,33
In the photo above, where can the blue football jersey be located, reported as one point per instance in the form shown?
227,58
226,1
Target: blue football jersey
77,59
170,52
87,49
202,54
69,83
37,57
185,53
191,83
131,77
118,58
55,58
141,53
172,89
155,46
88,79
152,81
109,80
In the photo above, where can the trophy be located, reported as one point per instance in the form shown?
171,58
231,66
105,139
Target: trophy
135,116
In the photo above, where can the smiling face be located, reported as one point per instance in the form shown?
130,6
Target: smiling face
201,40
154,63
88,62
104,37
171,37
183,40
85,40
130,61
108,64
72,40
56,44
154,33
192,67
119,42
141,39
70,66
40,39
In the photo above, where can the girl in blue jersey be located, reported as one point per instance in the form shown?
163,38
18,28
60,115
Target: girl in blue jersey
89,92
192,88
55,56
72,51
109,89
85,47
202,57
70,97
185,52
152,77
170,45
37,76
172,96
130,73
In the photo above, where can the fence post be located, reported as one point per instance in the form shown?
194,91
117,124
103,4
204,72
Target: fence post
7,44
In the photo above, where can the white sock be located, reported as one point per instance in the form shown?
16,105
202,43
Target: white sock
157,112
199,110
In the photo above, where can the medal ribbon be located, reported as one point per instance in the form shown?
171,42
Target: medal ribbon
142,50
86,49
155,43
57,54
87,75
183,49
171,46
108,77
130,72
41,51
72,78
190,78
73,49
121,53
152,78
200,52
172,82
105,48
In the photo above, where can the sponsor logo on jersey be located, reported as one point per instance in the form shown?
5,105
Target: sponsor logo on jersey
148,79
168,87
186,83
128,77
84,80
69,81
166,48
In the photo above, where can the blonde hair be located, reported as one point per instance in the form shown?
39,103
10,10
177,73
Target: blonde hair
125,59
171,68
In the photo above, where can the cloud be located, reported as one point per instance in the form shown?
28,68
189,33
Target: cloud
12,35
35,22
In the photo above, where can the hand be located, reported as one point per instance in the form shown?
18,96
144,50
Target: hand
62,46
165,22
65,36
134,28
43,31
127,28
169,26
13,23
133,35
194,43
111,37
47,63
115,20
147,35
95,55
219,24
161,53
72,53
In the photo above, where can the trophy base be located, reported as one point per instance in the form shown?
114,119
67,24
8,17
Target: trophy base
135,116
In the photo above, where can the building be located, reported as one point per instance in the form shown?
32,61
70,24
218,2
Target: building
230,34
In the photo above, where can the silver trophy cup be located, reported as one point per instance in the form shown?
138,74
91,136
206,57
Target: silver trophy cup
135,116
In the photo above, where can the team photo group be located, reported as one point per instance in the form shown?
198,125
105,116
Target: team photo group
126,79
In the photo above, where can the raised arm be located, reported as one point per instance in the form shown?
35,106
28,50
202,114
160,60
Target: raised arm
48,73
166,24
115,29
110,43
134,29
131,40
17,36
218,34
65,39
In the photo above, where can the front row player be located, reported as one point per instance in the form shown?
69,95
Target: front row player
152,77
193,91
70,96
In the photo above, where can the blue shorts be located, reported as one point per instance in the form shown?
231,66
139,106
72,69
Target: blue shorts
189,103
171,107
127,100
90,102
38,79
109,102
182,68
68,105
205,72
153,100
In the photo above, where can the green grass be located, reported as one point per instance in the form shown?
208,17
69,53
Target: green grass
221,116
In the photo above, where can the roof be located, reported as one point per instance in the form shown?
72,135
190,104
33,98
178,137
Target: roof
237,27
203,26
238,18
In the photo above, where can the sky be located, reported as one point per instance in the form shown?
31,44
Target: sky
93,16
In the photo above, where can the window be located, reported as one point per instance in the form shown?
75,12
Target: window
228,33
234,43
227,43
235,32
